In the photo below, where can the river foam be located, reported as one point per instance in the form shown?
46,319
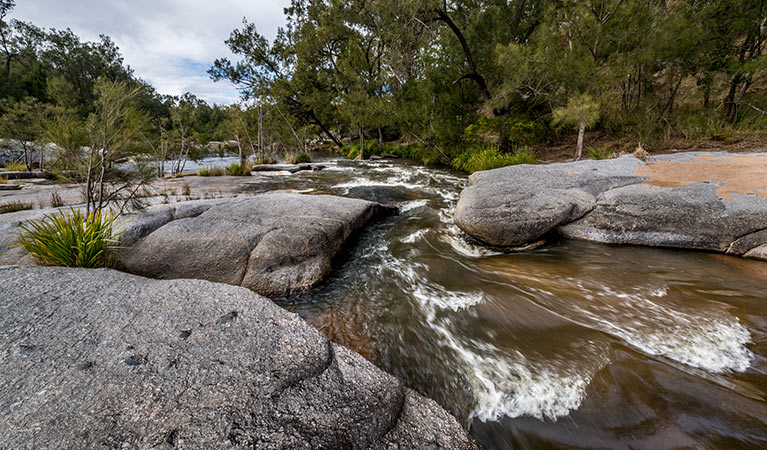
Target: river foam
502,384
703,337
712,341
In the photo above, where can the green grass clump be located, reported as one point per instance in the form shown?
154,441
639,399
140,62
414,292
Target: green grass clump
297,158
352,152
14,206
236,169
71,239
490,157
303,158
211,171
3,180
15,166
264,159
596,153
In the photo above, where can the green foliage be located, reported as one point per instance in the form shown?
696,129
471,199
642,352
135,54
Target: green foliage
236,169
264,159
489,157
580,109
211,171
302,158
13,206
371,148
487,72
596,153
520,130
71,239
15,166
94,147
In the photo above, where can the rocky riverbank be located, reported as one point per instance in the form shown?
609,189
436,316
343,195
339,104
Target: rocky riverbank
695,200
103,358
274,244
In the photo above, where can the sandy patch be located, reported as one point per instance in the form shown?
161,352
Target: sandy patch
736,173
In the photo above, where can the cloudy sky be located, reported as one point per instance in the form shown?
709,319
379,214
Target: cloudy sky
170,43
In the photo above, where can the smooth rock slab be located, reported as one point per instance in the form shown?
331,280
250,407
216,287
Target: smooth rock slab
706,201
100,358
274,244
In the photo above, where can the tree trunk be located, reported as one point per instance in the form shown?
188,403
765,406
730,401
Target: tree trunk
380,136
362,144
579,146
239,147
730,109
26,157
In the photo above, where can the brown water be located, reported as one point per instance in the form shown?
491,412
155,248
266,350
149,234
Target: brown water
571,345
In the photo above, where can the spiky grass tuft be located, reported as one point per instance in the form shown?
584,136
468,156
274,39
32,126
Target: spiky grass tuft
71,239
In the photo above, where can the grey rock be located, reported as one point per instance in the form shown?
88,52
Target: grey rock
759,253
9,226
606,201
515,205
747,243
274,244
292,168
100,358
12,151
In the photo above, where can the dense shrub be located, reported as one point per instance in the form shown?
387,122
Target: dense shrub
211,171
265,159
71,239
236,169
490,157
297,158
303,158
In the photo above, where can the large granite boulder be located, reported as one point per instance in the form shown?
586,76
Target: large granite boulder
274,244
707,201
100,358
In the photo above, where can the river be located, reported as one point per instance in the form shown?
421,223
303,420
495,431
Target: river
573,344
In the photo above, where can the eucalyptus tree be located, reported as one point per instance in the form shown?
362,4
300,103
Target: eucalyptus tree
288,71
93,148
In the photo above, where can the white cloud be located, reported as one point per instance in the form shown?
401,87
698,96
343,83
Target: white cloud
169,43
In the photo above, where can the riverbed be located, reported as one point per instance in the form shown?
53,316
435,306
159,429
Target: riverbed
573,344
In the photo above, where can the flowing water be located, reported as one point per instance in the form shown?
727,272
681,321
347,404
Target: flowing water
571,345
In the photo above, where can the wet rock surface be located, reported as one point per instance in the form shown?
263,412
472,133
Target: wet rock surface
706,201
100,358
274,244
292,168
